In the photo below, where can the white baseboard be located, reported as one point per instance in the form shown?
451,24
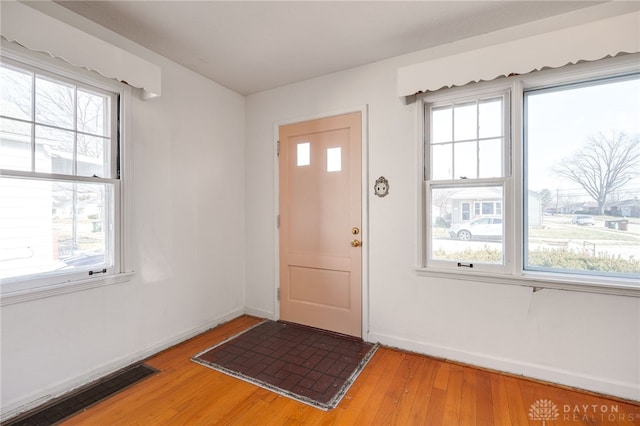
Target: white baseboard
260,313
625,390
46,395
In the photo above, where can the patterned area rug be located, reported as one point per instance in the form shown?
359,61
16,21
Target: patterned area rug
309,365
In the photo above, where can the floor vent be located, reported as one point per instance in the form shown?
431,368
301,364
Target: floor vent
80,399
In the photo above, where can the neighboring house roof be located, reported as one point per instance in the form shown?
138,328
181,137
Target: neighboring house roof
483,193
633,202
493,193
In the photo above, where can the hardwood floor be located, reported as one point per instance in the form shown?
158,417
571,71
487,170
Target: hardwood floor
396,388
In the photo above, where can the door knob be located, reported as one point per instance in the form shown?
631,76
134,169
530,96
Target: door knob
356,243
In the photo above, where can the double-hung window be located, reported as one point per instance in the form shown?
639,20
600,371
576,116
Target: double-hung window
60,186
466,180
536,177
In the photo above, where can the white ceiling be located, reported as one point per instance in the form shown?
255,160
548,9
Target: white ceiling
251,46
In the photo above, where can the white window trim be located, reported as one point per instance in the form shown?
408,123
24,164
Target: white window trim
123,225
513,210
500,89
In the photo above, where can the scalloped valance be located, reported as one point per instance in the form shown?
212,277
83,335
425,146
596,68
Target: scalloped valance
39,32
586,42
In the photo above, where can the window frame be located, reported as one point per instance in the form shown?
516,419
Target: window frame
458,96
19,290
514,206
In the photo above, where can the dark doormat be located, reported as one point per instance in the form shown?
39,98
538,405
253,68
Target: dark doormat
309,365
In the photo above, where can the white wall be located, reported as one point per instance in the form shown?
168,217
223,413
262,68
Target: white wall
188,208
586,340
204,205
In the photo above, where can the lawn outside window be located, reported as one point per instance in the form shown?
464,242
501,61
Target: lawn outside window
61,186
533,179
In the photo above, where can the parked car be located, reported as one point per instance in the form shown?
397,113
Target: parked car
583,219
482,227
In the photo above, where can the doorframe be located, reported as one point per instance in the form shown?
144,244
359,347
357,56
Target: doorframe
364,148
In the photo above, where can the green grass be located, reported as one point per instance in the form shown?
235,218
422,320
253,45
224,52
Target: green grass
576,232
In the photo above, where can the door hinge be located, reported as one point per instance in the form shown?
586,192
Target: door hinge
278,293
278,149
278,221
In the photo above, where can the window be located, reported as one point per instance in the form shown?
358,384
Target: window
536,176
466,180
60,186
582,181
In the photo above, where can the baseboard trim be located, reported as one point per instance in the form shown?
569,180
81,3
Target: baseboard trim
260,313
617,389
43,397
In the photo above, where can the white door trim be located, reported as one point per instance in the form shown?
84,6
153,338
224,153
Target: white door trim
365,206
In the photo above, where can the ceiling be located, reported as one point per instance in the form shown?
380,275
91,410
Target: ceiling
251,46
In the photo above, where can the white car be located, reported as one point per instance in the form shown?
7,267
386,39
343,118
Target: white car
582,219
482,227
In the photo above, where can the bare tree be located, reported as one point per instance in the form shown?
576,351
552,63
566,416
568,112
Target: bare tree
59,104
604,165
546,198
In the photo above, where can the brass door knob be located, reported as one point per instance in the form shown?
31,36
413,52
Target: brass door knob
356,243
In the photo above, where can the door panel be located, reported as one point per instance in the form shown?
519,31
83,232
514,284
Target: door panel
320,203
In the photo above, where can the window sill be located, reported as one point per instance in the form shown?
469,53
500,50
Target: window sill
27,295
537,281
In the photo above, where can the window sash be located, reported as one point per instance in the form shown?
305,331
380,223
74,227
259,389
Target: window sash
487,241
111,224
78,85
477,142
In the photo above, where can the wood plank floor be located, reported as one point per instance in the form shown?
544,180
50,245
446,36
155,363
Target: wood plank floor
396,388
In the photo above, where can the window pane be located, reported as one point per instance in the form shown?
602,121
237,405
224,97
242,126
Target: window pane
441,162
304,154
465,155
50,227
15,93
490,156
476,150
15,145
54,151
466,211
334,159
582,183
490,115
459,234
93,113
487,207
93,155
441,121
465,122
55,103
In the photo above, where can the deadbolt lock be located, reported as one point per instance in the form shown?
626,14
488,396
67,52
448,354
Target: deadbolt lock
355,230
